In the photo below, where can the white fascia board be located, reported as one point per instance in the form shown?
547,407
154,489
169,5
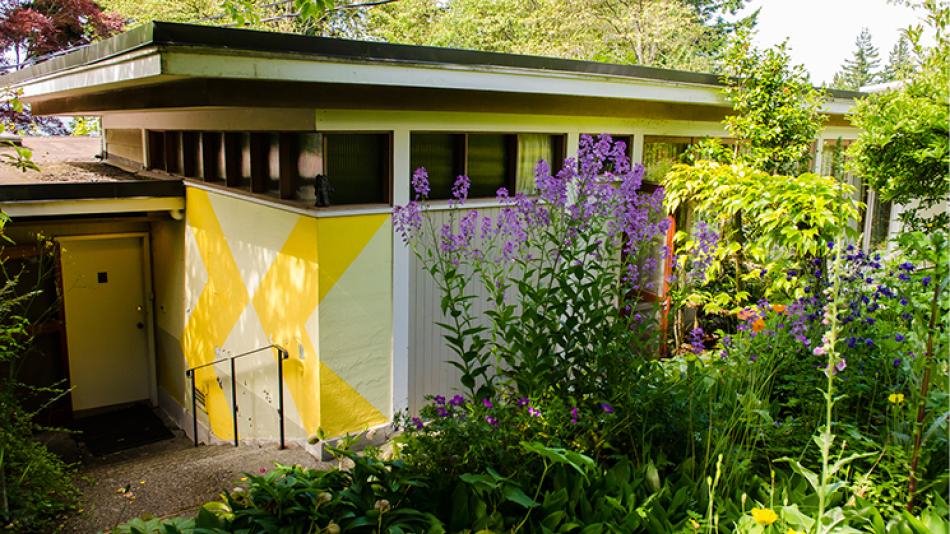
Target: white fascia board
127,69
498,79
92,206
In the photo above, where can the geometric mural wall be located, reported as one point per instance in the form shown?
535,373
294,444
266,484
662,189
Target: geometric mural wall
319,286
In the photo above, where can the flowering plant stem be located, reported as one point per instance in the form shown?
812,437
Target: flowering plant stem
826,438
922,401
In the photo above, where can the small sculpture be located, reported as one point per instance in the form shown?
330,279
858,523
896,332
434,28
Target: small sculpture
322,189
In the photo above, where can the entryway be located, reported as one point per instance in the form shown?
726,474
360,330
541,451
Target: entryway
106,285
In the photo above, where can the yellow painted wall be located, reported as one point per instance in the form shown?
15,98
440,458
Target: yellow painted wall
320,287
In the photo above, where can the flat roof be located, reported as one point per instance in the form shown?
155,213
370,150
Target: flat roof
169,35
69,169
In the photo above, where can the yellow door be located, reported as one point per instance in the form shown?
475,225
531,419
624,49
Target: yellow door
106,334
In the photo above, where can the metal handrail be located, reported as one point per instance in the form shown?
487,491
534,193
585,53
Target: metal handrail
282,355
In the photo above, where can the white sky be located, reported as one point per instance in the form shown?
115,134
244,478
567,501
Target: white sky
821,33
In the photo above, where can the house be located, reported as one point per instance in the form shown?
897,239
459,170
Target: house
255,175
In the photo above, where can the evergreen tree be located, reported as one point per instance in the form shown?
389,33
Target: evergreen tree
862,68
900,62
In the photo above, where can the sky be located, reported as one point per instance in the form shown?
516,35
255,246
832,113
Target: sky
821,33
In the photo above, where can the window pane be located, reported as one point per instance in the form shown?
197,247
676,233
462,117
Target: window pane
440,155
533,148
880,221
309,165
660,154
488,161
357,167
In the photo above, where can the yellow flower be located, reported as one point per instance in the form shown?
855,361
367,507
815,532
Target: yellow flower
793,531
895,398
764,516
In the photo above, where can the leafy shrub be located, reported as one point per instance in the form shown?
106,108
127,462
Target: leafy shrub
36,487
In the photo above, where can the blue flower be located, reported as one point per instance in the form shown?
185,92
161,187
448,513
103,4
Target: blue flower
897,362
924,281
898,337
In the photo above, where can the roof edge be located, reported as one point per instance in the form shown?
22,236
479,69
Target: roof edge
180,34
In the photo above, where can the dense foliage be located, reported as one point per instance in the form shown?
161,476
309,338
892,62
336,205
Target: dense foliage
902,149
776,111
754,228
36,488
803,418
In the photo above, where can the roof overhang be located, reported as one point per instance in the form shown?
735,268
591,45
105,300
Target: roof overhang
162,53
86,198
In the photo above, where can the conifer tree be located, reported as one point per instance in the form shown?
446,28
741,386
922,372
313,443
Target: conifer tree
900,62
862,68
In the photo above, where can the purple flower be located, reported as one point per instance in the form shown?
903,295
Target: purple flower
491,420
534,412
460,188
898,337
897,362
606,407
487,403
439,400
417,422
524,401
842,363
696,341
420,182
441,411
924,281
574,415
457,400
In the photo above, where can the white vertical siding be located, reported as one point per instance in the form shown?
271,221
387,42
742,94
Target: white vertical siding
429,370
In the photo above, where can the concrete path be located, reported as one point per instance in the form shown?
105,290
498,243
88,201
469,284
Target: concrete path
167,479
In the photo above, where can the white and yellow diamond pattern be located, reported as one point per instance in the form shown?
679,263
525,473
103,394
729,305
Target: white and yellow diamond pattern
321,287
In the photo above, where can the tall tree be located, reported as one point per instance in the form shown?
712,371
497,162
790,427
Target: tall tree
862,68
663,33
32,28
900,62
777,111
142,11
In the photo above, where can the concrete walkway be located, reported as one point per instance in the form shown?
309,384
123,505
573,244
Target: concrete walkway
167,479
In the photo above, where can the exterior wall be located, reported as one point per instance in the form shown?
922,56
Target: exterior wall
126,143
168,280
318,286
420,356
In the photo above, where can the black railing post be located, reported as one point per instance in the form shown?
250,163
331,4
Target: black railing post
281,356
234,419
194,406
